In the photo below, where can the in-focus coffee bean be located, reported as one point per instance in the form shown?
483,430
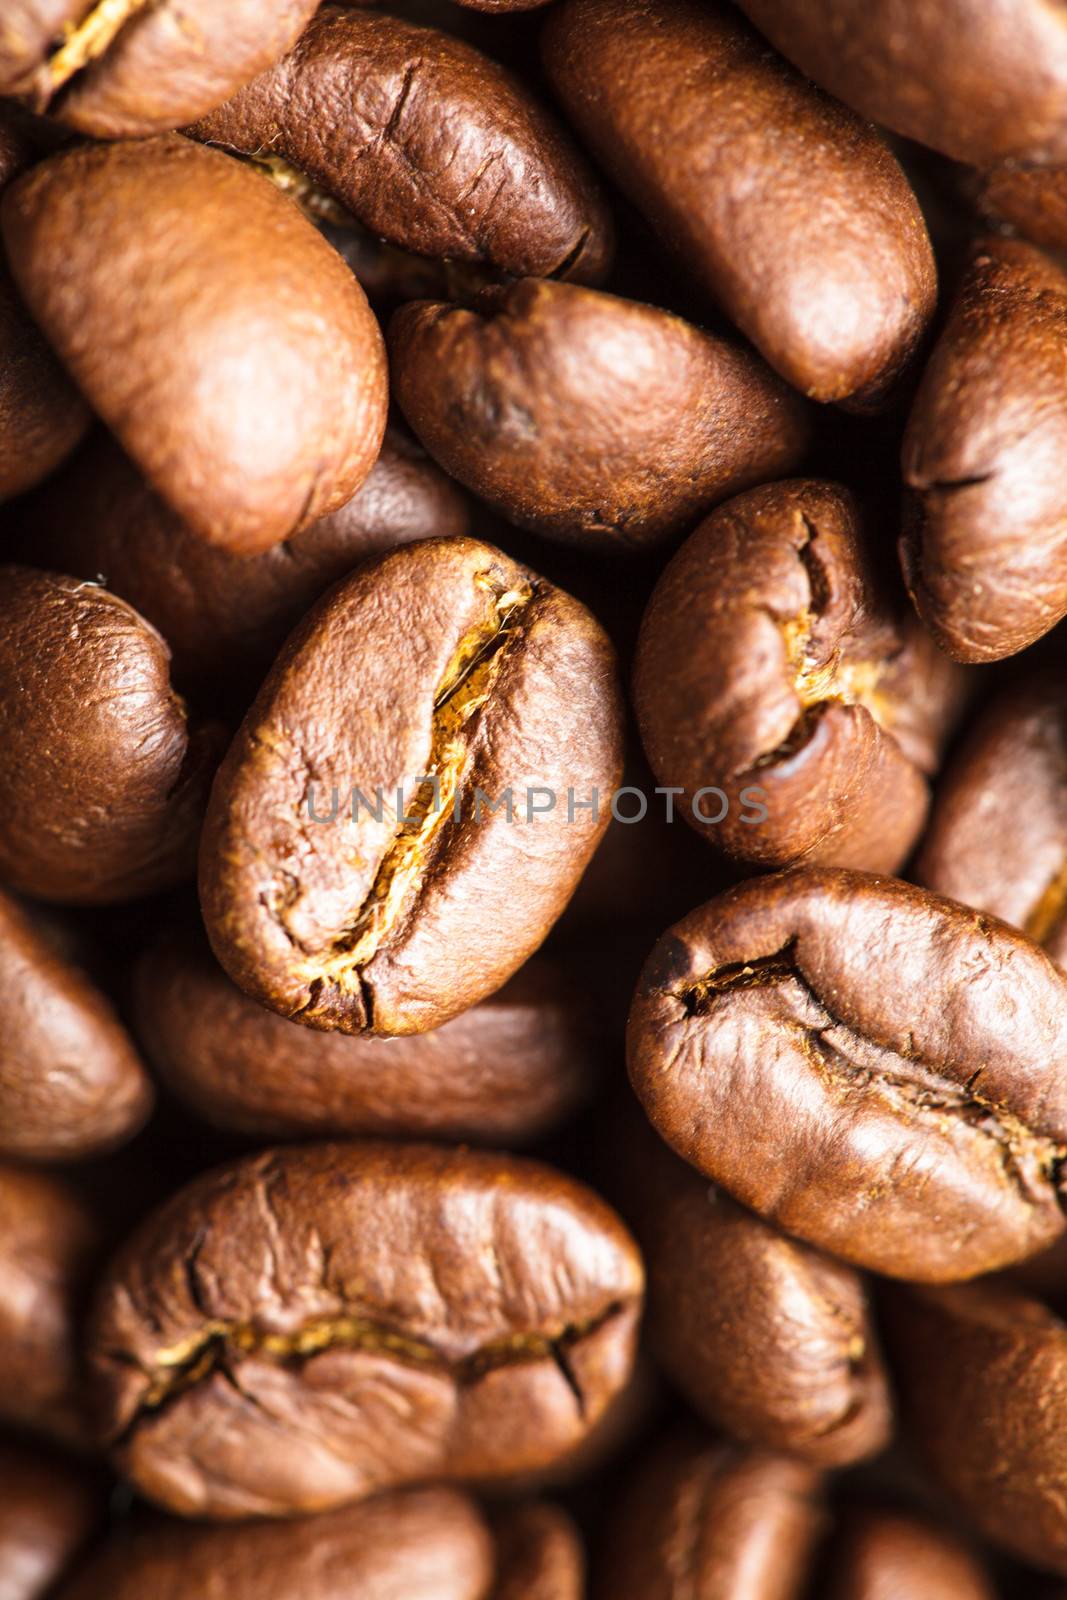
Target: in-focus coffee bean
873,1068
310,1326
482,695
427,142
781,684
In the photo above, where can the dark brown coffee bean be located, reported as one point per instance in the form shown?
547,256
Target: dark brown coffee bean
791,211
879,1555
42,416
589,418
985,546
981,83
770,1341
71,1083
424,1544
997,838
779,676
223,615
102,784
450,672
47,1512
982,1372
873,1068
710,1521
220,338
539,1555
504,1071
1032,200
118,69
309,1326
428,143
49,1244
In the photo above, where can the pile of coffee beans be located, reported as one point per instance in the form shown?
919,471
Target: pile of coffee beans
533,800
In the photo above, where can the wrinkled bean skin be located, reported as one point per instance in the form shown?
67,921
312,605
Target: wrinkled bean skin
984,548
773,658
886,1555
997,838
539,1555
710,1521
787,208
468,669
422,1544
308,1327
102,782
870,1067
168,355
49,1245
426,142
770,1341
981,83
42,415
224,616
982,1372
503,1072
71,1083
47,1511
588,418
152,68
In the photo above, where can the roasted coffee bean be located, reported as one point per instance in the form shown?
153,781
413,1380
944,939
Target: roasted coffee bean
710,1521
42,416
224,616
787,207
1031,199
47,1511
102,782
71,1083
982,81
770,1341
449,672
997,838
220,338
426,142
779,677
309,1326
889,1555
118,69
425,1544
982,1372
588,418
504,1071
873,1068
985,539
49,1244
539,1555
